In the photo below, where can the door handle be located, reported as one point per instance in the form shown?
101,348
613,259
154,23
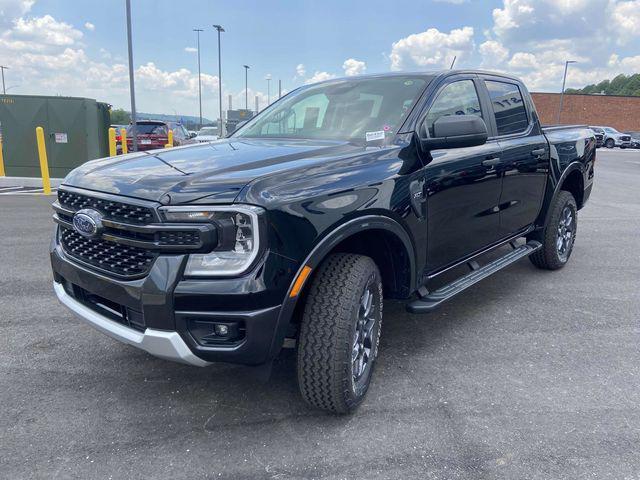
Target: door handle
538,152
491,162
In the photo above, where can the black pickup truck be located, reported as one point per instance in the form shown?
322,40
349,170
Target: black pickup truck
293,230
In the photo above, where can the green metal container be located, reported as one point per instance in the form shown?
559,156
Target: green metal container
75,129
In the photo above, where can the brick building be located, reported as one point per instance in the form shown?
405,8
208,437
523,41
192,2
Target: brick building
622,113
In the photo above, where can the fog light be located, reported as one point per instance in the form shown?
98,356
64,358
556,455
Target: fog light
221,330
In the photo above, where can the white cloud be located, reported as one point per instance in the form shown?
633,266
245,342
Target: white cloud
319,77
493,53
39,34
432,48
190,49
625,18
352,66
12,9
181,82
300,70
89,26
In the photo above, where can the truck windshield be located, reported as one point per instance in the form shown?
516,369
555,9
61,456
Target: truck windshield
365,109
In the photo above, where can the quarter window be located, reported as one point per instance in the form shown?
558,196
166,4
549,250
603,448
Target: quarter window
506,100
457,98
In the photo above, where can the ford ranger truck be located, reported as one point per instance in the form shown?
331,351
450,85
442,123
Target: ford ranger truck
294,229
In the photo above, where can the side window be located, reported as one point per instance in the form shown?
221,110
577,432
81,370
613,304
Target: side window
511,114
457,98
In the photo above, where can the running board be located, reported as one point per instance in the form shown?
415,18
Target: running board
431,300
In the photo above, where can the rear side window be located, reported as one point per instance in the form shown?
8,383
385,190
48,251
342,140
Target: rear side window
457,98
511,114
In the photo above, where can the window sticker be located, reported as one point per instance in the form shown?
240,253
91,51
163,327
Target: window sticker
372,136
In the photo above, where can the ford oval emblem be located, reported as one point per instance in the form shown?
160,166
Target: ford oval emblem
87,222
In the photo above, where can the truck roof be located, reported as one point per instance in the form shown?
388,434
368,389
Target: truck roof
430,74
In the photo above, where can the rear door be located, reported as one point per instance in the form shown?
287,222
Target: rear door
462,184
525,153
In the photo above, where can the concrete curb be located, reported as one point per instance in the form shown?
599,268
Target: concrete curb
32,182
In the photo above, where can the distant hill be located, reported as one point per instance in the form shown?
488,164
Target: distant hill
122,117
172,118
620,85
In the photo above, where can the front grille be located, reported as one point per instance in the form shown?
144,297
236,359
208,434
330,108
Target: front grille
179,238
131,236
112,210
113,257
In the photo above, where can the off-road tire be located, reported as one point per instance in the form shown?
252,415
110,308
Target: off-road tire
329,331
548,257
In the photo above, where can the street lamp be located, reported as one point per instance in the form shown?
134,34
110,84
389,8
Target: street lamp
134,136
564,80
268,79
2,69
220,122
246,87
198,30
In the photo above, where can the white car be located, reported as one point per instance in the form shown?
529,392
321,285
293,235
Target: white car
207,134
614,138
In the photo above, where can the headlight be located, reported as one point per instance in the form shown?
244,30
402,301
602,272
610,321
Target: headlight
238,238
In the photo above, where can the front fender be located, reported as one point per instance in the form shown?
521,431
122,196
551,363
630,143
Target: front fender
322,248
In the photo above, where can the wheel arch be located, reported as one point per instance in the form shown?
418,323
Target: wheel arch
391,234
571,180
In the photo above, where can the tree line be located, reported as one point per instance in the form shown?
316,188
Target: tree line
620,85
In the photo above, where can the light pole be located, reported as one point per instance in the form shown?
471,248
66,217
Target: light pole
246,86
220,122
564,80
134,136
198,30
2,69
268,78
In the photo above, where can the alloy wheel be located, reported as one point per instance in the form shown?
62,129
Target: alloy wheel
566,233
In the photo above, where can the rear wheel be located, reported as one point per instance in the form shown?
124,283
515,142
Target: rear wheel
559,235
339,334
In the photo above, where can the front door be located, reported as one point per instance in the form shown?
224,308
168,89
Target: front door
463,185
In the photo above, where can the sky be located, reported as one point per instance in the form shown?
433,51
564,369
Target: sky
78,47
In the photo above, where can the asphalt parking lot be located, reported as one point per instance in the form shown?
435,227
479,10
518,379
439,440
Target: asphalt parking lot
529,374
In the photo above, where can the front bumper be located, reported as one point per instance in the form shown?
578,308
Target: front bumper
164,306
163,344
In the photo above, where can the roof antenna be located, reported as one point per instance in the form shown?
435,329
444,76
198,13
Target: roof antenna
453,63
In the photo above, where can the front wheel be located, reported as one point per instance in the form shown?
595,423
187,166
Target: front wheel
340,331
610,143
559,235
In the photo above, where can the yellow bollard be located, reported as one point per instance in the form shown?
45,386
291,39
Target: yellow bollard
2,174
112,142
169,140
44,166
123,140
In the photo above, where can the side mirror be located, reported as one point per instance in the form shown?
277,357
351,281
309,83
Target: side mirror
455,131
192,135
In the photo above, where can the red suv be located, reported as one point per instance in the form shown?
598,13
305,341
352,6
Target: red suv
154,134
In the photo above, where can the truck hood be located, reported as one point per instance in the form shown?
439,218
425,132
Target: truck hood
217,170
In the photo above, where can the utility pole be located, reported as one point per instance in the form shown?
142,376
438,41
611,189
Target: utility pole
198,30
132,91
564,81
454,62
2,69
221,120
279,89
246,86
268,78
